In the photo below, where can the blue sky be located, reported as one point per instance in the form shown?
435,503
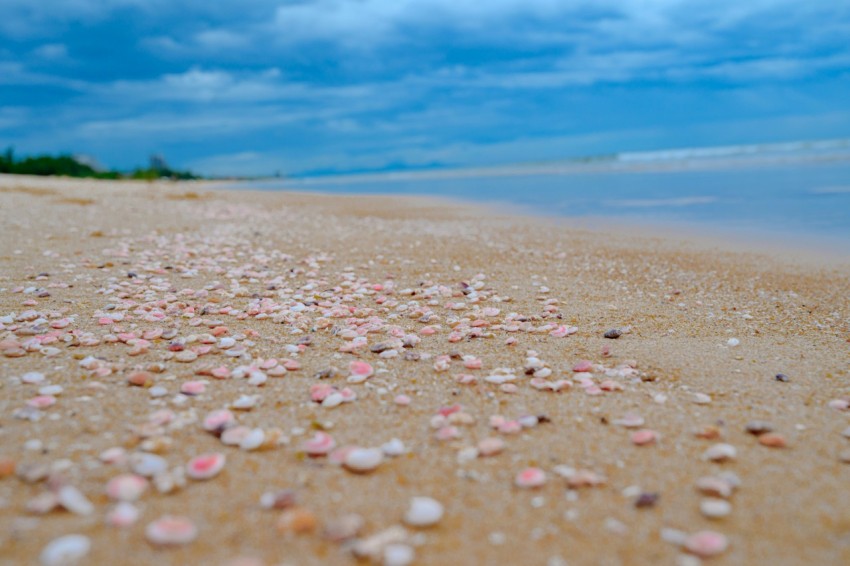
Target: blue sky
331,85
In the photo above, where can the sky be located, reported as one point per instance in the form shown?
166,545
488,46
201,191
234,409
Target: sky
305,87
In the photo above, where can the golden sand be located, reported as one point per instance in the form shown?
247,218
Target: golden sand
684,300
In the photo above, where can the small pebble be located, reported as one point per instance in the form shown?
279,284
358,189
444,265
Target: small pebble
613,334
781,377
772,440
647,500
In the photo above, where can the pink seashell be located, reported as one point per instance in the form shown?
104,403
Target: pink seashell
319,391
42,401
205,466
126,487
611,385
583,366
339,455
124,514
530,478
448,433
509,427
446,411
220,372
402,400
320,445
234,436
219,420
706,544
491,446
193,388
360,369
644,436
171,530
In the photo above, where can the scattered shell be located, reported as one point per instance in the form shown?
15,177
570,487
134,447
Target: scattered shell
394,447
343,528
126,487
644,436
206,466
297,520
147,465
396,554
320,445
720,453
706,544
613,334
219,420
362,460
630,420
423,512
491,446
140,378
714,508
278,499
171,530
759,427
65,550
530,478
74,501
124,514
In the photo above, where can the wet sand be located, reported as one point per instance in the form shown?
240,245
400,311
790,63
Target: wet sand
681,300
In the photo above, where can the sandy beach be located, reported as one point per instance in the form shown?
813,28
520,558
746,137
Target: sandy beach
473,337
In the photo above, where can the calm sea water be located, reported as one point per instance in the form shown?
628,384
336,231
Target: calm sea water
803,199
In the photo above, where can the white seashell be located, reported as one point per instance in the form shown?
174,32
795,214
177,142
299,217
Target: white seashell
253,440
363,459
65,550
423,512
74,501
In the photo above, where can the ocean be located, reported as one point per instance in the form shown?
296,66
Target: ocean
779,190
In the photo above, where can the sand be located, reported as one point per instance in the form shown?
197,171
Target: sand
683,300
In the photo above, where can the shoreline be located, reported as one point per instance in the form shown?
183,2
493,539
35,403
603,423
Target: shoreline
474,325
816,250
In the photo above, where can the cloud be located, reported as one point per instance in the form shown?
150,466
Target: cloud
334,84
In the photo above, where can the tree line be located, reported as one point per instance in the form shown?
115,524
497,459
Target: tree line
68,166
